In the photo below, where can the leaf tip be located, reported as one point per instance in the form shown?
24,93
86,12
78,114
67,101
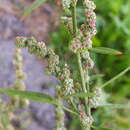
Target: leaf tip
22,18
119,53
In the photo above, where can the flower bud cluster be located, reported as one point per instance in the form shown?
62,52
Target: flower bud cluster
66,4
67,22
59,113
53,62
86,121
75,43
40,49
54,68
5,115
87,30
64,77
20,76
97,98
89,26
86,60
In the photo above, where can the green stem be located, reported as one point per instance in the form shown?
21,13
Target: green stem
78,56
115,78
88,90
87,105
74,20
82,79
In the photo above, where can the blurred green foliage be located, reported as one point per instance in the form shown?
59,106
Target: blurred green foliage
113,25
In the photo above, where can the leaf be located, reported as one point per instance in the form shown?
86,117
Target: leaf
34,5
81,94
100,128
96,76
104,50
116,77
118,106
35,96
42,97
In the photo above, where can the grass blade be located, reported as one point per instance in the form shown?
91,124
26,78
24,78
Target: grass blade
115,78
104,50
34,5
35,96
118,106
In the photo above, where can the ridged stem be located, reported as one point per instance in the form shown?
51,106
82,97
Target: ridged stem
88,89
74,20
82,79
87,106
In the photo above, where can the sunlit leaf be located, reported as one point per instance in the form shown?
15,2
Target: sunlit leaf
104,50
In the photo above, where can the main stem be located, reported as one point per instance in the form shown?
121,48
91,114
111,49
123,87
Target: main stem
82,80
79,59
87,105
74,19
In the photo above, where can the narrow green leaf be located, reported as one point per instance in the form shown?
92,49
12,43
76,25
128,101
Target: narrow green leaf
115,78
42,97
34,5
81,95
104,50
35,96
96,76
100,128
118,106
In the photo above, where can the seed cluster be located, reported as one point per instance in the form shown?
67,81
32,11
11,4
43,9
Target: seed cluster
95,101
54,68
82,41
67,82
87,30
7,109
59,113
5,116
19,77
87,62
66,4
86,121
67,22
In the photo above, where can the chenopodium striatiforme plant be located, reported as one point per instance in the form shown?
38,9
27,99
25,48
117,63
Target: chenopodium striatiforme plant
80,45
